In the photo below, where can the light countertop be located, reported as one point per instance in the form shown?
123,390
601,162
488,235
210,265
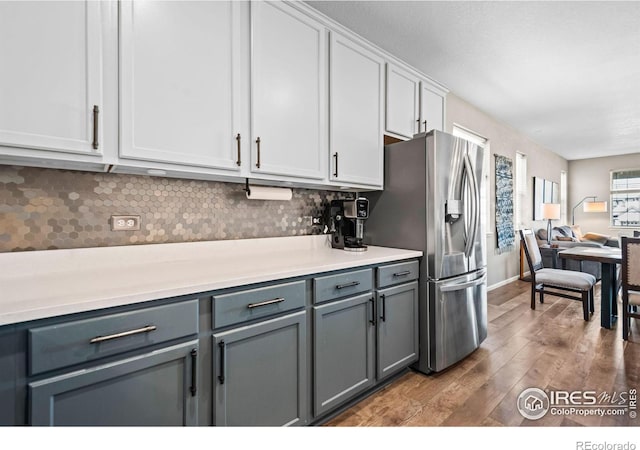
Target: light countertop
40,284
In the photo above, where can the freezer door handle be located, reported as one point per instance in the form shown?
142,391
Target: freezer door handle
460,286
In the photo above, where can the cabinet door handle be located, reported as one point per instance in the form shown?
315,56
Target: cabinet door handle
425,125
383,316
265,303
194,371
335,156
401,274
418,120
238,161
109,337
96,112
372,321
258,147
346,285
222,349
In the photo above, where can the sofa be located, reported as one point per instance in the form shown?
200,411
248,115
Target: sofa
571,236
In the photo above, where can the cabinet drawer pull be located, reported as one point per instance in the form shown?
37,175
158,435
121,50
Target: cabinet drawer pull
238,161
96,111
335,155
221,346
346,285
194,371
265,303
258,148
401,274
146,329
383,316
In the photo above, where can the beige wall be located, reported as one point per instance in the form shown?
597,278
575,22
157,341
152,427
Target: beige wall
505,141
589,177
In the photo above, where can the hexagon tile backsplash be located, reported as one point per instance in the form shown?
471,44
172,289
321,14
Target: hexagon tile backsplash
48,208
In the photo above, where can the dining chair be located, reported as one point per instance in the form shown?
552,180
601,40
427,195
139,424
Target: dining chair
560,280
630,282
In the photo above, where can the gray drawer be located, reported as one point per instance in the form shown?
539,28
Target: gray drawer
341,285
229,309
56,346
398,273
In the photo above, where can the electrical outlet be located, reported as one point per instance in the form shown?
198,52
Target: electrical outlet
125,223
316,220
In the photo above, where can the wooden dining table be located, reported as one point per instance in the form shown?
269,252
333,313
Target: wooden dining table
609,258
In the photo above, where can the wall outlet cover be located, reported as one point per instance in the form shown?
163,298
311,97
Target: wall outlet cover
125,223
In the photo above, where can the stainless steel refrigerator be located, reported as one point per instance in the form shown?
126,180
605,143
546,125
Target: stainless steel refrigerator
433,201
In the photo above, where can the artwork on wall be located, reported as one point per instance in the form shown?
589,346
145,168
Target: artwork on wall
544,191
505,232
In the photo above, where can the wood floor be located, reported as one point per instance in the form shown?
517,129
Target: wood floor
549,348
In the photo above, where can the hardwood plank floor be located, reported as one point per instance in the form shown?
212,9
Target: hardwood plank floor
550,348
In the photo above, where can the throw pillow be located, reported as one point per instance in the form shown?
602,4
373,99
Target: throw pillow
577,232
596,237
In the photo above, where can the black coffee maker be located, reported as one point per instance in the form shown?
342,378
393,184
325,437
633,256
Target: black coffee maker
346,223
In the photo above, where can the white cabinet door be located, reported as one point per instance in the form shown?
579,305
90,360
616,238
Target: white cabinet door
180,82
50,76
403,102
356,113
288,95
432,108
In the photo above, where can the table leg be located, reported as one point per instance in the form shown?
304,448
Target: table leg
608,294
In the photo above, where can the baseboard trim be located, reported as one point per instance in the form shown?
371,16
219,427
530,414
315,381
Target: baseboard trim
503,282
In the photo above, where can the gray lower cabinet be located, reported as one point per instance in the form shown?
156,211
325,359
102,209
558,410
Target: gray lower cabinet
344,350
260,373
397,328
155,388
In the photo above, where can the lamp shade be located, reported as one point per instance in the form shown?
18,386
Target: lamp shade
551,211
594,206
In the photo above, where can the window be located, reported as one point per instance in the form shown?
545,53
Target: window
625,198
520,197
485,193
563,197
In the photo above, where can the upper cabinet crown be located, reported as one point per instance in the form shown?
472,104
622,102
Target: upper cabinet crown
413,103
51,84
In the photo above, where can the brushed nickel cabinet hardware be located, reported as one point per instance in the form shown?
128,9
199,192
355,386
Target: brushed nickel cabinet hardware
383,316
146,329
96,112
401,274
258,144
194,372
335,155
221,346
346,285
265,303
238,161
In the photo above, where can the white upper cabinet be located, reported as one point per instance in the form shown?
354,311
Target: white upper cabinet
180,83
403,102
288,94
356,113
51,91
431,107
414,104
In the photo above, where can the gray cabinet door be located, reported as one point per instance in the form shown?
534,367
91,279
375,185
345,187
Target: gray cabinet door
343,350
397,328
260,373
156,388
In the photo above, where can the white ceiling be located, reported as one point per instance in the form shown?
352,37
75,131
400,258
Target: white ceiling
566,74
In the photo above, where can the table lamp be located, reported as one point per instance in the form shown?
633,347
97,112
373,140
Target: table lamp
550,211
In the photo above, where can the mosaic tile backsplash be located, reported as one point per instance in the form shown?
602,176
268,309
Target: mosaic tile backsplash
44,209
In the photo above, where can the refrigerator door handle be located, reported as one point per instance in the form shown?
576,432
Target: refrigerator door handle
475,202
460,286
